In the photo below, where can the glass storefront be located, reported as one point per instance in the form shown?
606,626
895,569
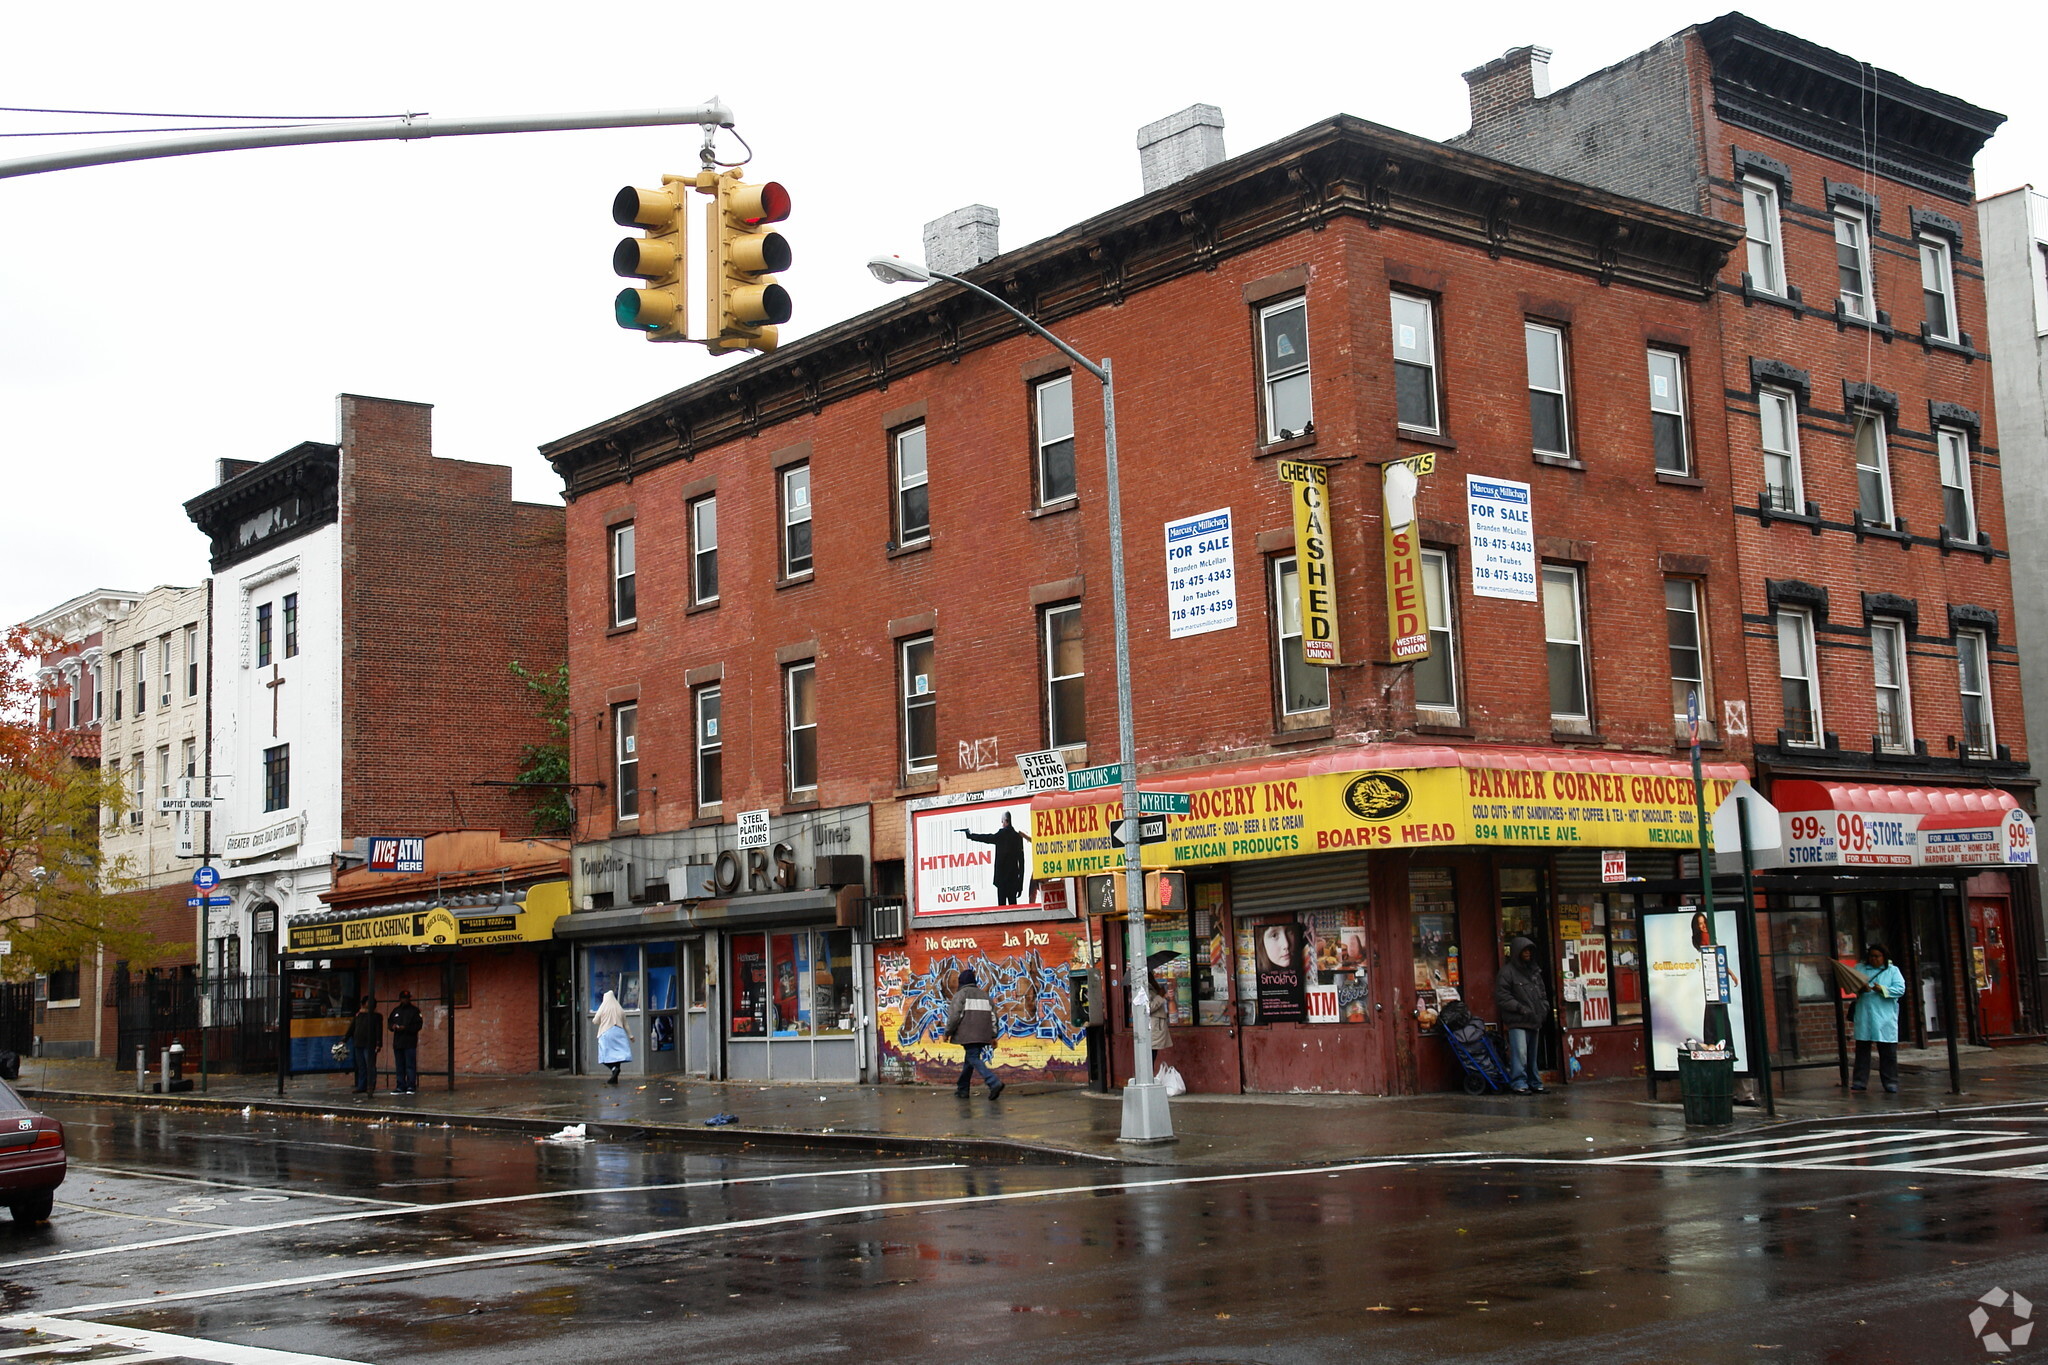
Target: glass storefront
793,1014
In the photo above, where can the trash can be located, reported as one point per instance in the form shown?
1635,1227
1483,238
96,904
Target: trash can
1706,1082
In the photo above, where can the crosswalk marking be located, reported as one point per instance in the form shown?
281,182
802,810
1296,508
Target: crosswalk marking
1907,1151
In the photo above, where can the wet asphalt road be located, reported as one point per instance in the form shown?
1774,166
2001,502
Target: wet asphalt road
348,1240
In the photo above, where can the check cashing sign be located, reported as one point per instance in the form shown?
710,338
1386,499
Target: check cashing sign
1315,568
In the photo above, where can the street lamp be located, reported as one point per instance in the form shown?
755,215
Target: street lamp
1145,1112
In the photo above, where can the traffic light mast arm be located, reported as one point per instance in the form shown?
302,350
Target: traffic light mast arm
367,130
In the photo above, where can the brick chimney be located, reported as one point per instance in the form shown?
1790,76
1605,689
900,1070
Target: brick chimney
1513,79
1180,145
962,239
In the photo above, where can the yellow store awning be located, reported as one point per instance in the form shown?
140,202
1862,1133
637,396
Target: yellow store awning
532,920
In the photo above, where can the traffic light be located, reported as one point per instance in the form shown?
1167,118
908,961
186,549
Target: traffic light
656,257
742,256
1166,894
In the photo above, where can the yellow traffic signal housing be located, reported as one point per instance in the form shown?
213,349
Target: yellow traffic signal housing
658,308
743,302
1166,894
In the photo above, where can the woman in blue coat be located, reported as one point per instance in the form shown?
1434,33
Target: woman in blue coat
614,1048
1876,1020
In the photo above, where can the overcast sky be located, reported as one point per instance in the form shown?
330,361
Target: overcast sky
156,316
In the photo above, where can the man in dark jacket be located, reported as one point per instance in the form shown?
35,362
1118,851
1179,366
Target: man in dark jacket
1008,871
405,1044
971,1022
365,1037
1524,1004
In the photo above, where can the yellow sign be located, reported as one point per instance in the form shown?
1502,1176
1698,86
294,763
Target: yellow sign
1385,808
1315,568
1407,608
532,921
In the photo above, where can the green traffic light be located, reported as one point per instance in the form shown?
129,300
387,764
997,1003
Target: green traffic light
626,308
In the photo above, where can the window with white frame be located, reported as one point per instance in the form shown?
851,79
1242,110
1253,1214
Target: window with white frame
75,700
1798,679
277,777
913,487
99,692
1283,347
1684,638
1974,675
1760,224
120,684
625,599
1052,404
1667,412
1564,639
191,761
114,776
142,661
796,520
710,749
704,550
163,776
291,625
138,781
1778,419
1065,714
163,650
1549,417
800,686
1304,686
1873,470
1893,690
1958,508
1938,288
1436,678
191,661
1852,264
1415,382
920,706
626,760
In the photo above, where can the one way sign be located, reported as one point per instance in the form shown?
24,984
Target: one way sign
1151,830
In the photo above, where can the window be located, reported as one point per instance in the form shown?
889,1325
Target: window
625,600
62,983
1667,412
1564,640
163,649
920,707
291,625
191,757
1796,678
1436,678
120,685
1938,288
99,693
1283,332
1065,719
1053,403
1415,389
913,488
1852,263
791,985
141,679
1873,471
1760,223
76,703
796,520
163,772
1894,701
1979,740
1958,510
710,750
800,684
191,661
114,774
262,636
1303,686
1682,629
277,777
626,760
1778,417
704,550
138,783
1549,428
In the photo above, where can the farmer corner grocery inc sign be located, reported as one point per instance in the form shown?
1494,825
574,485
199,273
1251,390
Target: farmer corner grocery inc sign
1384,808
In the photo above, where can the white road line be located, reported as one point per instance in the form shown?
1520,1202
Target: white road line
1908,1167
140,1217
162,1345
358,1215
1787,1151
1736,1146
436,1265
2003,1152
1945,1145
231,1185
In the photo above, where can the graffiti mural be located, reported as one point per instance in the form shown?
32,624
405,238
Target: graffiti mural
1026,970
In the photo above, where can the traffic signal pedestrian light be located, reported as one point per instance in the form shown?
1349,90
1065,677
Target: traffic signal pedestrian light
657,309
742,255
1166,894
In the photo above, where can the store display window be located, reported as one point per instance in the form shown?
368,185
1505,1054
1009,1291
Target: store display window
1175,974
748,973
1433,938
797,984
1335,963
615,968
1210,932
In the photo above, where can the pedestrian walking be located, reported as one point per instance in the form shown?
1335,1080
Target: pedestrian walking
1096,1034
971,1022
614,1048
1524,1003
365,1038
1876,1020
405,1024
1155,1015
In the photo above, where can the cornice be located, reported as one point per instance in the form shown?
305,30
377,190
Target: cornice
311,469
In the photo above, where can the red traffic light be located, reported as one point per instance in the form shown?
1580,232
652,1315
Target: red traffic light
767,202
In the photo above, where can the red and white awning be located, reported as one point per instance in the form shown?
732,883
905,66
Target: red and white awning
1864,824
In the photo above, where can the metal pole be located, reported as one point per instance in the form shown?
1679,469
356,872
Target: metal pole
1753,995
1948,997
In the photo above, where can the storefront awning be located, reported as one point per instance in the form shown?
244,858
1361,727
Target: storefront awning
1865,824
638,921
1390,796
529,919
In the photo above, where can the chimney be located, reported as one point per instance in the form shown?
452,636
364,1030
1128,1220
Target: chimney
1180,145
1513,79
962,239
225,468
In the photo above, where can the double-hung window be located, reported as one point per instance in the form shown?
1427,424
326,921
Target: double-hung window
1549,418
704,550
1415,381
626,760
291,625
163,776
796,520
913,488
1777,413
1436,678
920,706
138,782
142,666
1938,288
1682,631
1798,681
263,640
1760,224
192,761
120,685
277,777
1852,264
1283,344
710,749
1667,412
99,694
1564,639
191,661
1873,471
1303,686
164,670
625,600
800,683
1893,690
1979,739
1958,508
1065,716
1052,403
113,819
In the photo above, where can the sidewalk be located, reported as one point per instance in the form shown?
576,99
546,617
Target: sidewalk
1060,1123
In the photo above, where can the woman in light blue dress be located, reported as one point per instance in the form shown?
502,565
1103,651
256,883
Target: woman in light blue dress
614,1048
1876,1020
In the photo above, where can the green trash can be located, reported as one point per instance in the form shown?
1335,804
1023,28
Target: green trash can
1707,1085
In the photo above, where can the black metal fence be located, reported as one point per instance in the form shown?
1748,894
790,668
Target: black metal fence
18,1017
229,1024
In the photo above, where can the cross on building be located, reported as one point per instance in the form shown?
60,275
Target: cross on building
277,680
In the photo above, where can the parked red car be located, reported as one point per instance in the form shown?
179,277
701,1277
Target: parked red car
32,1160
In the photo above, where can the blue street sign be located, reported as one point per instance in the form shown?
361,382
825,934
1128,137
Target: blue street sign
1692,714
216,901
206,876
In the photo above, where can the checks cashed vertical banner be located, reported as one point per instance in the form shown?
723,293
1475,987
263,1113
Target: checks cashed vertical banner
1314,563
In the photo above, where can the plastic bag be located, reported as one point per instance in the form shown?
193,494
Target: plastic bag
1169,1076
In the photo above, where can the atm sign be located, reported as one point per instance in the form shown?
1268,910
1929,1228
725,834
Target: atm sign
398,855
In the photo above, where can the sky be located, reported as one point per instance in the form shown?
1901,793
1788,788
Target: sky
157,316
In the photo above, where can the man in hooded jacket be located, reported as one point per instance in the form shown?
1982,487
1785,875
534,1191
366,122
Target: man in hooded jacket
1524,1004
971,1022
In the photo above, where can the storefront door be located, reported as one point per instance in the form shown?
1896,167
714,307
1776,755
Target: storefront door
558,999
664,999
1525,913
698,1034
1990,971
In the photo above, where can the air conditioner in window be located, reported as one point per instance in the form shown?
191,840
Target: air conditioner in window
885,922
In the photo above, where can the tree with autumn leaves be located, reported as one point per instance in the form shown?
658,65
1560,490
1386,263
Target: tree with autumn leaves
61,899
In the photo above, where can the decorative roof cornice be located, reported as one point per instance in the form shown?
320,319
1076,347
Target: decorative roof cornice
311,469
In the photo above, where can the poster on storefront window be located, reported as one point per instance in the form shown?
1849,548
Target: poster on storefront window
1212,956
1678,998
749,986
1028,971
972,855
1278,944
1334,957
1589,1003
1175,974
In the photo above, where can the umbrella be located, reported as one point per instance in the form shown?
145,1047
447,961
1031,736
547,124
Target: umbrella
1161,957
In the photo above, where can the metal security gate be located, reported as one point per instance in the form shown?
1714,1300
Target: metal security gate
18,1017
229,1024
